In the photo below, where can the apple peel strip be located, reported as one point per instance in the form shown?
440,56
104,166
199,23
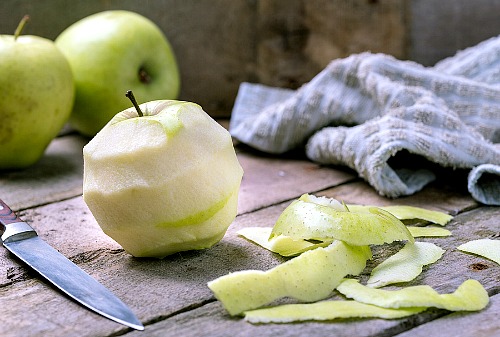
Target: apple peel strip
325,311
469,296
405,265
403,212
487,248
307,219
282,245
428,231
310,277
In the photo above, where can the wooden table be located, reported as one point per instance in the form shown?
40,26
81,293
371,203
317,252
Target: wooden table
170,296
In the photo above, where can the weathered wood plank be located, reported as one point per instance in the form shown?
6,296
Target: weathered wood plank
270,180
170,295
153,288
34,308
211,320
158,289
57,176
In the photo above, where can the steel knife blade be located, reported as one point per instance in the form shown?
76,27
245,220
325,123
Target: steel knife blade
22,241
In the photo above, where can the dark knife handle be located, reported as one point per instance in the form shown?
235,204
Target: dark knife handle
7,216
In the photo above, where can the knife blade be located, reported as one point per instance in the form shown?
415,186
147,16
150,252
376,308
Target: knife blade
22,241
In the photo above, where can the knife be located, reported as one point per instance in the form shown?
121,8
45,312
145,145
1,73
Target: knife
22,241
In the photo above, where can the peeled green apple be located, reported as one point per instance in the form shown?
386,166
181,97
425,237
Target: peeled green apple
164,182
37,94
111,52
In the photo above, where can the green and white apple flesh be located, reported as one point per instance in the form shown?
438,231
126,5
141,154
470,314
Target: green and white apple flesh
164,182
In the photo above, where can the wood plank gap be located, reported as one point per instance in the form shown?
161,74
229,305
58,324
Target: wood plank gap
191,307
33,206
282,201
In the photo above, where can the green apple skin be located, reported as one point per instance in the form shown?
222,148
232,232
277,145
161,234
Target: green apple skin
164,182
37,94
111,52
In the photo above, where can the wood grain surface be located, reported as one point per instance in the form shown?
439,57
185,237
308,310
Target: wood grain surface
170,296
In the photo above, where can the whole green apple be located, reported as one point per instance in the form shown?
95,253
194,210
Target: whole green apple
164,182
37,94
111,52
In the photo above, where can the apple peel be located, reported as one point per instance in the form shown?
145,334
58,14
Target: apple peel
309,277
430,231
403,212
405,265
282,245
417,213
325,311
469,296
308,219
487,248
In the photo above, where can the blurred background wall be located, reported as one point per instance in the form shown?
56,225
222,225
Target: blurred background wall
220,43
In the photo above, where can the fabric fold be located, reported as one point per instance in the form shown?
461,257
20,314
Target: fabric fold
364,110
484,184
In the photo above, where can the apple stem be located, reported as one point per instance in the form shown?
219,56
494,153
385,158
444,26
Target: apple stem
131,97
20,27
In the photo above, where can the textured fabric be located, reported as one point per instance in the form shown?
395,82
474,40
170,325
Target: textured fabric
368,148
484,184
479,63
365,110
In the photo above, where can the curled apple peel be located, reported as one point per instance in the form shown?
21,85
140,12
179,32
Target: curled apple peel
319,218
325,311
309,277
282,245
430,231
368,302
163,182
469,296
405,265
403,212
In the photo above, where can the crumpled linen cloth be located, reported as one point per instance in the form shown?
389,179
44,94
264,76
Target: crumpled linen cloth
368,111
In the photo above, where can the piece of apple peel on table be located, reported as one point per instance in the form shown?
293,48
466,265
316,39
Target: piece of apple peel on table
341,235
312,276
469,296
163,182
316,218
405,265
487,248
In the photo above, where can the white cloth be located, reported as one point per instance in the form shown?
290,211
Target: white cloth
368,110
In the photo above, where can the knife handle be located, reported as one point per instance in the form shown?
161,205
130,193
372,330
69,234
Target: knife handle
12,228
7,216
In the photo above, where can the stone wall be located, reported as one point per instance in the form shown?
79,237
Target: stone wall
220,43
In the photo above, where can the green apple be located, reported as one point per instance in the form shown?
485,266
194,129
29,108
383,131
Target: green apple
111,52
164,182
37,92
